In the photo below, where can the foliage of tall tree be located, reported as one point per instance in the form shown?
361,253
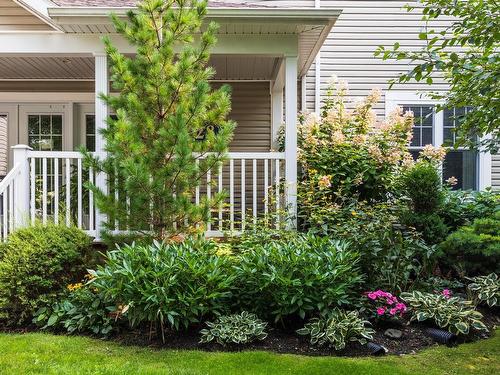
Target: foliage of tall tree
171,127
466,53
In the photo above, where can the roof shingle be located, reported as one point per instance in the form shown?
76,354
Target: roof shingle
131,3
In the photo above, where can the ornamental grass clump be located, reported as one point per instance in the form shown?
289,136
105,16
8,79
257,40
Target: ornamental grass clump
452,313
239,328
337,329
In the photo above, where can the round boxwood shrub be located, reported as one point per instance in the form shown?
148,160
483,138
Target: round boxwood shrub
36,265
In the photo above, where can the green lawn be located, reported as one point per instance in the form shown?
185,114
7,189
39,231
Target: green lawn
47,354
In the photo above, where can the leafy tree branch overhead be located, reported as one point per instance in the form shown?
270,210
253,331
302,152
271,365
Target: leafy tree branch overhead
466,53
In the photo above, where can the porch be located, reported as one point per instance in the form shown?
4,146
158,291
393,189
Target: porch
49,105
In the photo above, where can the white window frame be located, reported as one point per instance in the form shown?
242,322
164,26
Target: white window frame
394,99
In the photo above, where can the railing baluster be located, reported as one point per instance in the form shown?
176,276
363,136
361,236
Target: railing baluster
254,193
266,186
220,204
277,183
32,191
11,206
44,191
79,187
4,215
56,190
91,200
209,196
68,192
243,197
231,193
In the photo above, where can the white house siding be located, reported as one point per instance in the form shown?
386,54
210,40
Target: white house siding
15,18
495,172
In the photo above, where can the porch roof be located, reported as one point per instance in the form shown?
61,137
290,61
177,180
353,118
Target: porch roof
265,25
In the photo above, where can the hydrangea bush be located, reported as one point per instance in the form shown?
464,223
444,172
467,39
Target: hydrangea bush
347,154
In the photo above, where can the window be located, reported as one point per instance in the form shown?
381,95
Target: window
90,131
438,128
45,132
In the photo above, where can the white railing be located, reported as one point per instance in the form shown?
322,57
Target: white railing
57,193
8,211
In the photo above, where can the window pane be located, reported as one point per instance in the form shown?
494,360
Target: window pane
90,142
426,136
45,124
33,124
33,142
57,143
423,124
463,166
90,124
56,124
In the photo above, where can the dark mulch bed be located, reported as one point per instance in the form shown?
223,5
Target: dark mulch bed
280,340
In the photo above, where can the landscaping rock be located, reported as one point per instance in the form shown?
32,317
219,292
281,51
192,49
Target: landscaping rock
393,333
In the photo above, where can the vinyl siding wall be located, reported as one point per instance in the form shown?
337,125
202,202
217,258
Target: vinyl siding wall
15,18
349,50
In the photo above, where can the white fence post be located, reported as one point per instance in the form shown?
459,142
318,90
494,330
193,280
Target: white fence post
291,136
22,186
101,115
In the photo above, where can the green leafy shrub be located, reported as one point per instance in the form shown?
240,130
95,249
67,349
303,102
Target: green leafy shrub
486,289
475,249
452,313
36,265
392,256
172,284
337,329
422,184
82,310
430,225
306,275
463,207
237,329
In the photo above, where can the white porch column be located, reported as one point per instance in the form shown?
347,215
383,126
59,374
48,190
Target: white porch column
291,135
101,115
277,114
22,186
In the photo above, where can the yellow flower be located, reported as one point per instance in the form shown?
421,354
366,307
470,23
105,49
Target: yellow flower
73,287
353,213
325,182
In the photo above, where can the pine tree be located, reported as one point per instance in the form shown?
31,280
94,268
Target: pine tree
170,128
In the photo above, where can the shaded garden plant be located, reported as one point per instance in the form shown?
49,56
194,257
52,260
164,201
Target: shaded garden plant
386,305
485,289
452,313
82,310
239,328
337,329
475,249
167,285
36,265
304,276
165,101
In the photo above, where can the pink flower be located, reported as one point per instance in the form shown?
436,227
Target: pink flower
372,296
381,311
446,293
393,311
401,307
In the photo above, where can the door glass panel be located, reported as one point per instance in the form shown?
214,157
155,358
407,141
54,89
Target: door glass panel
45,132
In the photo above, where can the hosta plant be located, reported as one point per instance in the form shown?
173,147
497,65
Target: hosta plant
337,329
486,289
452,313
235,329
